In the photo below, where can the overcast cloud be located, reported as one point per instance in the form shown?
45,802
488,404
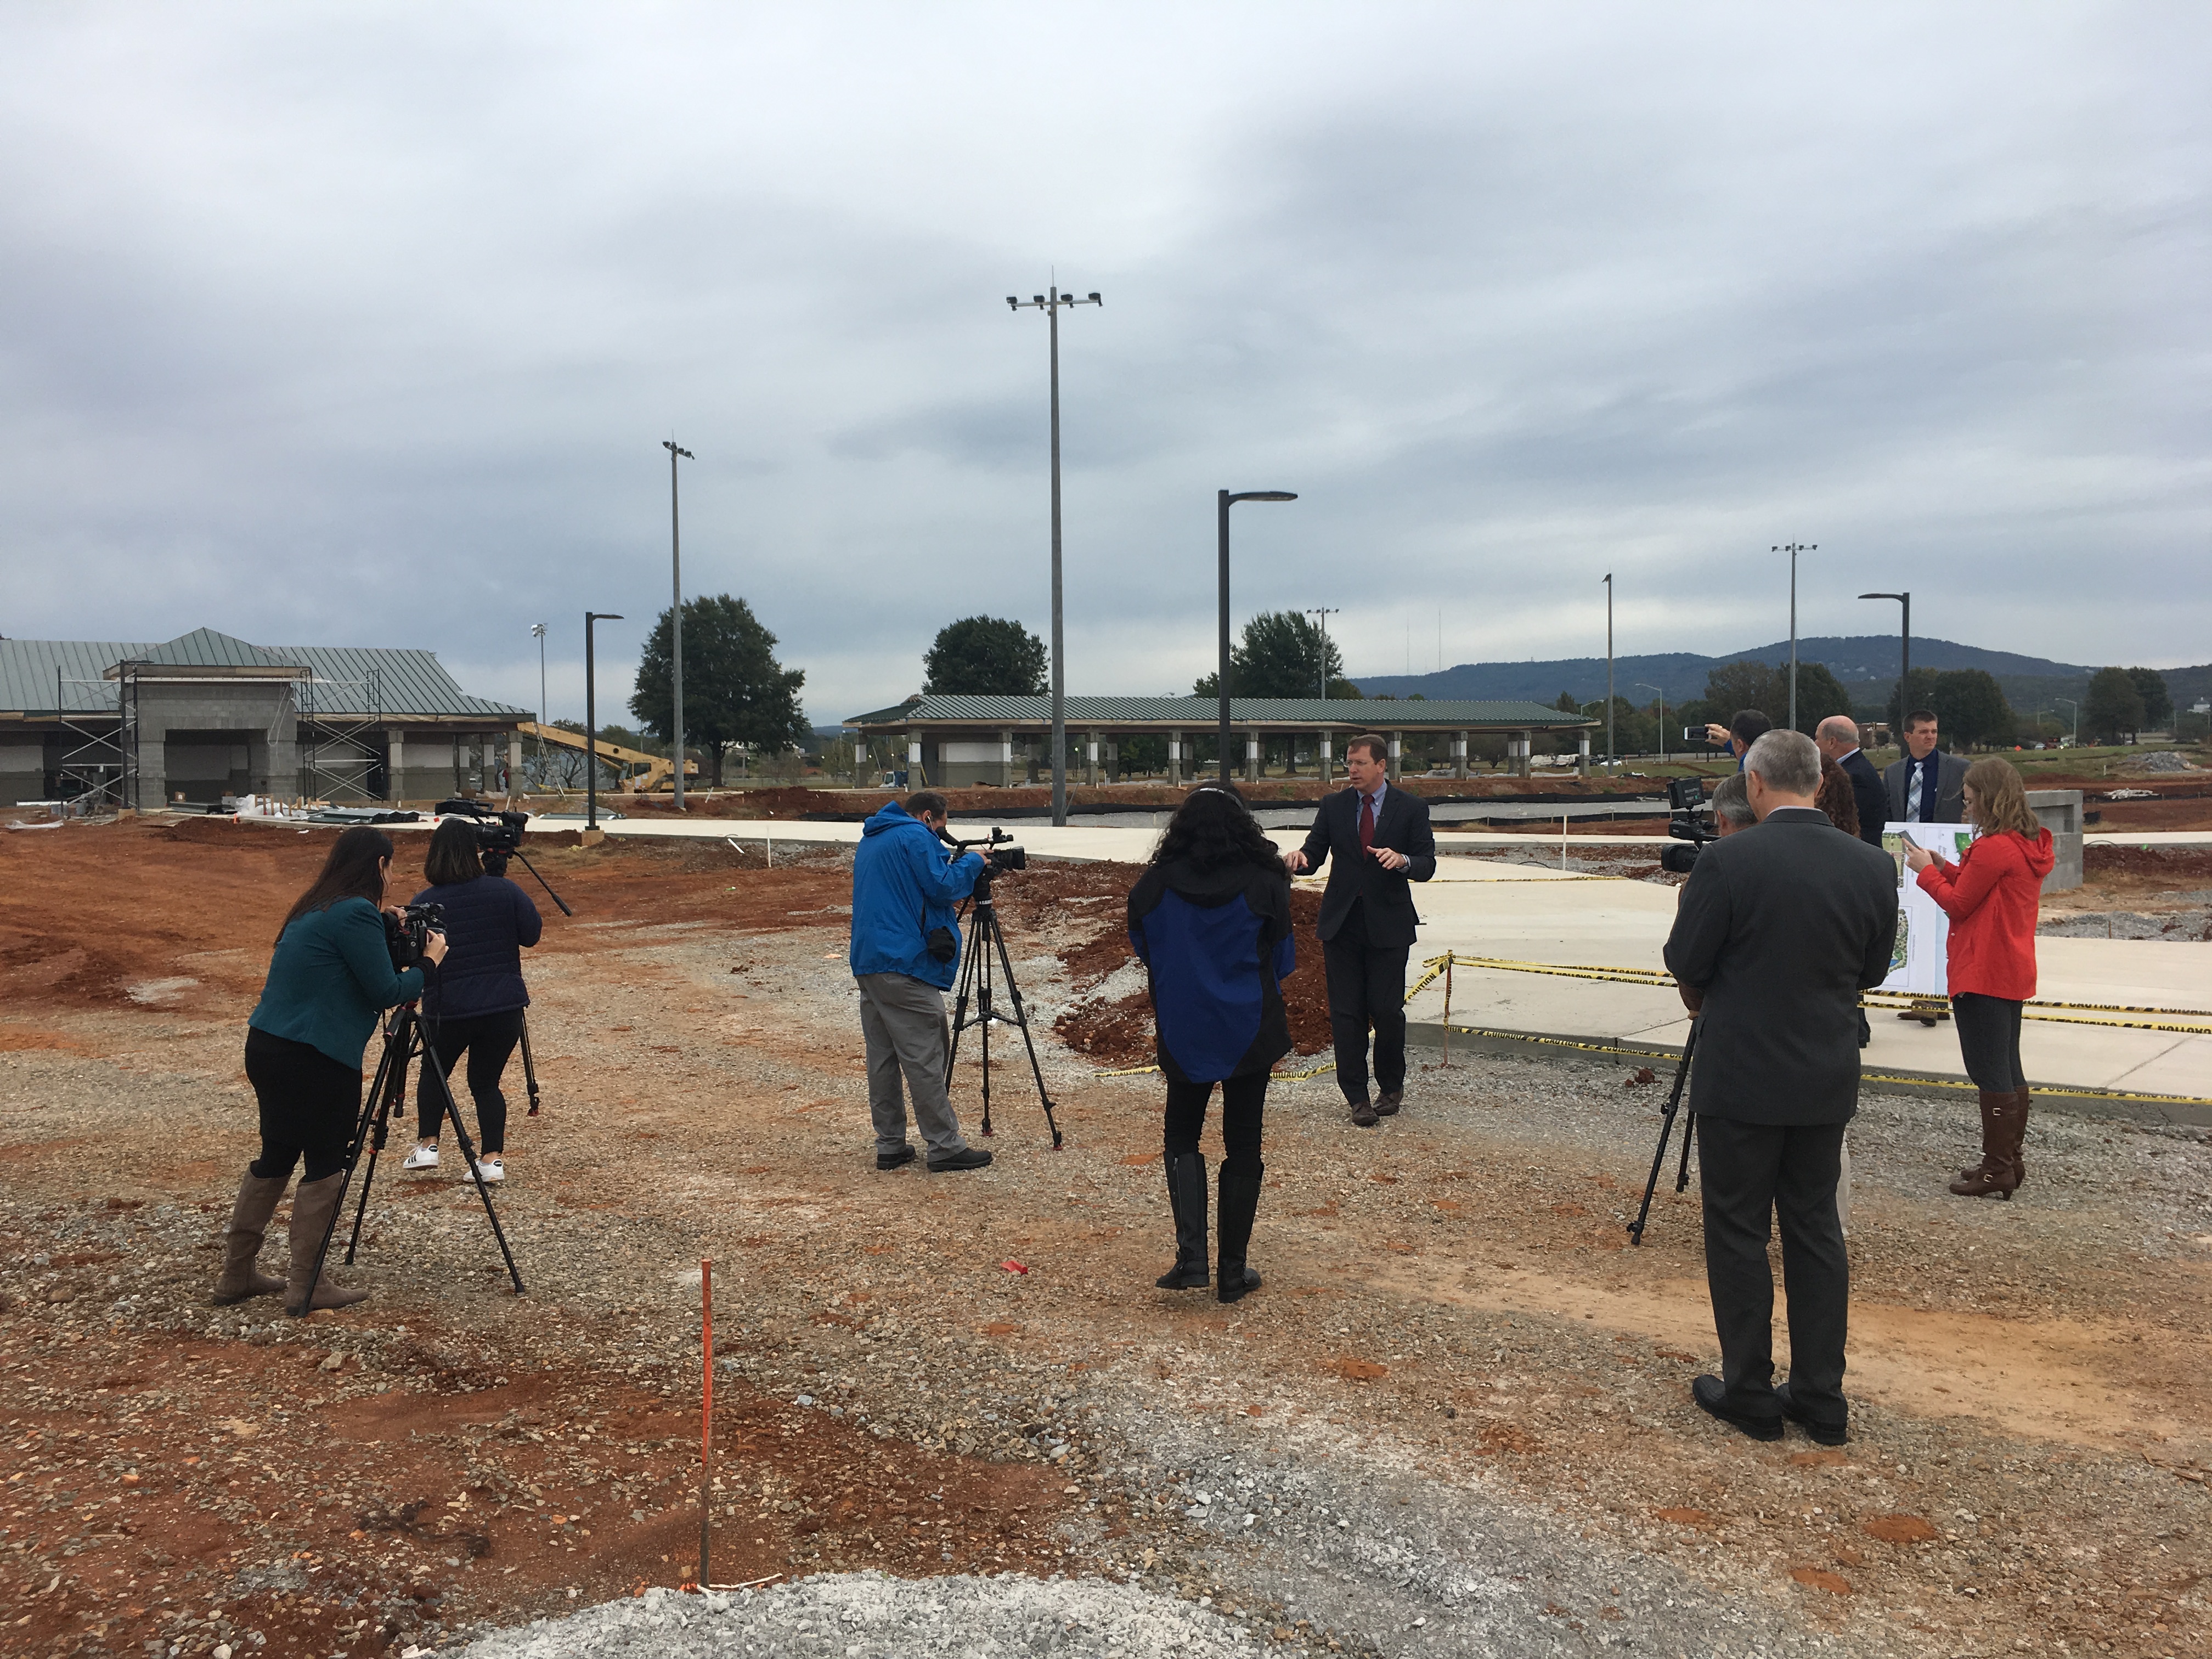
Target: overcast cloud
363,325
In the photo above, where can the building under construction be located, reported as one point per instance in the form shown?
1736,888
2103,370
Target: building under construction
120,724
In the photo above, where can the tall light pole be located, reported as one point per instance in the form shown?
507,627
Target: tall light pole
1793,549
676,615
1323,613
1051,303
1608,672
1903,661
1226,500
1641,686
538,633
2071,704
592,721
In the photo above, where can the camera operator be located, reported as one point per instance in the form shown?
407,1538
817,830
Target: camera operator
330,974
1731,805
476,1004
905,954
1780,927
1749,727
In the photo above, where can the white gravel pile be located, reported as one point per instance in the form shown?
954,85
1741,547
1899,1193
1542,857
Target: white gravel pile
2165,760
869,1616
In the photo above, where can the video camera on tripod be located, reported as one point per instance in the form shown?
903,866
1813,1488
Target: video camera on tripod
499,838
1690,822
1000,854
407,932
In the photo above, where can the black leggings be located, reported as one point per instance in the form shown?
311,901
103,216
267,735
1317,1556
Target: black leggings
488,1039
1988,1041
1243,1101
309,1104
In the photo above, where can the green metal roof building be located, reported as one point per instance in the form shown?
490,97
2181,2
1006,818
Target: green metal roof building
956,740
206,715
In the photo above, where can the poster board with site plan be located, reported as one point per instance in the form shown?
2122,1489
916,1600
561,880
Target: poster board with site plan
1920,962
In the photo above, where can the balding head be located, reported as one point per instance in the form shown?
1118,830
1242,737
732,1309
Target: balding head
1838,735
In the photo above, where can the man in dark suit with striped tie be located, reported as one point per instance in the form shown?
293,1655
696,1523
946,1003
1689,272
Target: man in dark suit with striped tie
1381,839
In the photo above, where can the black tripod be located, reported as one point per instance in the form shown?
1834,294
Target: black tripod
403,1044
985,936
1665,1128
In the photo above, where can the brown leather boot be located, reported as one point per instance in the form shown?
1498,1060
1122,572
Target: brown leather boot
1997,1173
242,1243
312,1206
2013,1120
1973,1171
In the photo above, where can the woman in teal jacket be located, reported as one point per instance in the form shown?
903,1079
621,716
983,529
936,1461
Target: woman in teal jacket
330,978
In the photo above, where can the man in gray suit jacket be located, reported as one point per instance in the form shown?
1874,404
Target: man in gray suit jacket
1779,929
1925,787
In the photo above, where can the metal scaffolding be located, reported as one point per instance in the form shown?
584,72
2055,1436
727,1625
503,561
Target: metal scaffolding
99,741
340,749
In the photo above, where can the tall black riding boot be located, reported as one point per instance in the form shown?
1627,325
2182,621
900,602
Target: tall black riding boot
1240,1202
1187,1198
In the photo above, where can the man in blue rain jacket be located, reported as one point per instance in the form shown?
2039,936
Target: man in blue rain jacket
906,950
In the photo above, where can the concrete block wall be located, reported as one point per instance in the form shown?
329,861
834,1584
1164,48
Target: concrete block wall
2059,811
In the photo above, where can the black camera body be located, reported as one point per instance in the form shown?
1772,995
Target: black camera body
499,834
1690,822
1000,854
406,934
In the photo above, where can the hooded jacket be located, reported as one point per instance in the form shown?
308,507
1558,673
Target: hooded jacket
1216,945
905,883
1991,895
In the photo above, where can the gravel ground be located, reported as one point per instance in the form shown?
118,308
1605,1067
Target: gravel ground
1456,1416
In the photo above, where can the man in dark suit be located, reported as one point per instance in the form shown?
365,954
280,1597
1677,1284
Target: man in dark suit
1779,929
1926,786
1839,739
1380,837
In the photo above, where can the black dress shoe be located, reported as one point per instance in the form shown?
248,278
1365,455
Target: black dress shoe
968,1157
1390,1100
898,1160
1711,1396
1363,1113
1827,1434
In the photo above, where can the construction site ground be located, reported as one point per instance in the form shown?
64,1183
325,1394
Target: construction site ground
1455,1419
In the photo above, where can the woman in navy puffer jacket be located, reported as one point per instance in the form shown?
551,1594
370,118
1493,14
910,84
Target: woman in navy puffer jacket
475,1005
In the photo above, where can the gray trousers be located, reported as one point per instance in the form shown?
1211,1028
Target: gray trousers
903,1021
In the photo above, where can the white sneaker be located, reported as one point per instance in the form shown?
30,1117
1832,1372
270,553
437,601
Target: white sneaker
423,1157
493,1170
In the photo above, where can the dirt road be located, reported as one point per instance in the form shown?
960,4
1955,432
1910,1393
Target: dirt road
1457,1401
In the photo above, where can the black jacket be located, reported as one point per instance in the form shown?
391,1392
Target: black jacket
490,921
1402,826
1868,790
1782,925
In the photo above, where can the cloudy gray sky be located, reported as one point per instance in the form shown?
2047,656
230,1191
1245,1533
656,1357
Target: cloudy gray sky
363,325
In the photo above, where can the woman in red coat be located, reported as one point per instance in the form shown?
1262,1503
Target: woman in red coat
1991,896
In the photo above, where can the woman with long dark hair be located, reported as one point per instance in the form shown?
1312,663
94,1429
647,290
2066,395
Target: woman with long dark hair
1211,919
330,976
475,1007
1992,895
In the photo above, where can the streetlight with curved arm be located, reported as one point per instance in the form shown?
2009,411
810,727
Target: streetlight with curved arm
1228,500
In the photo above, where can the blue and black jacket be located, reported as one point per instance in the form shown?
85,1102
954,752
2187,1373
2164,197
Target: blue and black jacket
1216,945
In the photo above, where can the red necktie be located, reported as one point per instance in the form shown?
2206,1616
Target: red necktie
1367,823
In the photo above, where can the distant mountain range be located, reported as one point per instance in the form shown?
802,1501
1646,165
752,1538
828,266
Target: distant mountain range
1868,664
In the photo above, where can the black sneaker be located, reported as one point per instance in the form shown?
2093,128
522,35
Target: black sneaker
1826,1434
968,1157
1711,1397
898,1160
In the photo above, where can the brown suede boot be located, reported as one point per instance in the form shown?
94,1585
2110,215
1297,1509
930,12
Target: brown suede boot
242,1243
312,1206
2013,1119
1997,1173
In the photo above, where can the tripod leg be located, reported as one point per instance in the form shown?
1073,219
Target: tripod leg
987,925
1665,1128
960,1011
529,1065
451,1114
1682,1176
1022,1019
386,1096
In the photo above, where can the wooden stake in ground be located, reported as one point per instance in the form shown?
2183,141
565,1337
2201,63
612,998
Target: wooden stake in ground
1448,968
706,1413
